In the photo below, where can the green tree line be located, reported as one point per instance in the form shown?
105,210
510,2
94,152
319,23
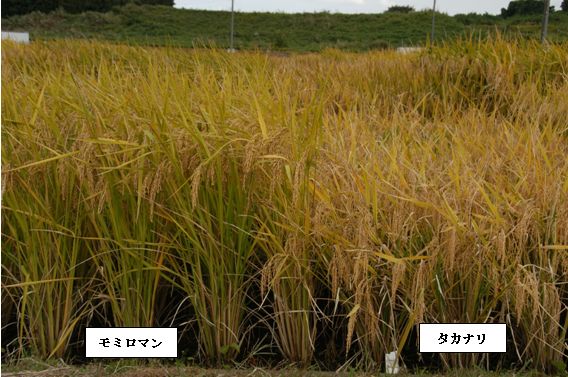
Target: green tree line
15,7
528,7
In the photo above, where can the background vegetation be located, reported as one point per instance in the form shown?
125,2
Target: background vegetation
525,7
160,25
16,7
310,209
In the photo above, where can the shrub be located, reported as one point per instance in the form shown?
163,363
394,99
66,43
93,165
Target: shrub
523,8
15,7
400,9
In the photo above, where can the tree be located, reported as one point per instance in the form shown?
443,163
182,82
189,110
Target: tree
400,9
523,8
79,6
564,6
169,3
15,7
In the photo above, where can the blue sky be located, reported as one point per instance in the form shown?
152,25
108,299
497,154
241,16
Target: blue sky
349,6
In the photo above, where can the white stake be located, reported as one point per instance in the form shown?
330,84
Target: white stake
433,20
545,21
232,47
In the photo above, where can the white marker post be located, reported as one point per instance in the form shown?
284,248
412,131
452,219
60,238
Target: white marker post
433,20
391,363
544,31
232,44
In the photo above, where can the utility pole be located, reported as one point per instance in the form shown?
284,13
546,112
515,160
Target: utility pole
433,21
232,48
545,21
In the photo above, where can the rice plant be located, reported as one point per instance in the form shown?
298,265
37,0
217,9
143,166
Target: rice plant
284,195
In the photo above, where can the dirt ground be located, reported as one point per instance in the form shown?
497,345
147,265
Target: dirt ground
96,370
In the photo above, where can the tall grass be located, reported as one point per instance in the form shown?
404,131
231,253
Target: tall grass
334,200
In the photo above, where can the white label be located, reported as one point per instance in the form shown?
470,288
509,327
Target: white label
138,342
464,337
22,37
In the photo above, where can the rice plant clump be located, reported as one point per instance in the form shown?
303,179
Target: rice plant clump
310,208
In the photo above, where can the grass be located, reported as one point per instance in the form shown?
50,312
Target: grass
37,368
309,210
179,372
156,25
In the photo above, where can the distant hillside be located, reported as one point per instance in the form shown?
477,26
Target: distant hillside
146,24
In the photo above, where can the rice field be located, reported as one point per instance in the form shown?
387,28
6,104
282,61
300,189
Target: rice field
309,209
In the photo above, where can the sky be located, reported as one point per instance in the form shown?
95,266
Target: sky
349,6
